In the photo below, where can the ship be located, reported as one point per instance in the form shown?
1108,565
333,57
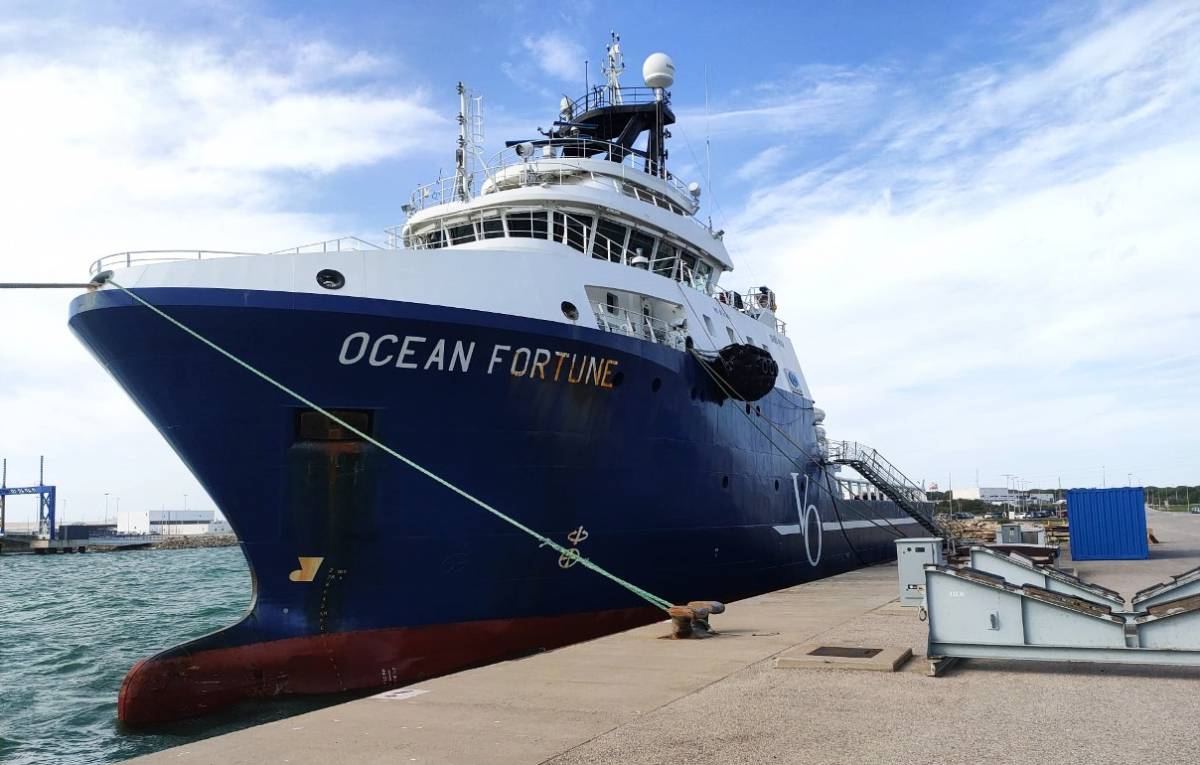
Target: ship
546,334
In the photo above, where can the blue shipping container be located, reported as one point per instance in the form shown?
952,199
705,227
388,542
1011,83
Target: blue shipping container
1108,524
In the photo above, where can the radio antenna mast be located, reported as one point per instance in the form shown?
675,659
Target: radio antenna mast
470,141
613,68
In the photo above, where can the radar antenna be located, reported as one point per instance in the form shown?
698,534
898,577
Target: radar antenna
468,154
613,69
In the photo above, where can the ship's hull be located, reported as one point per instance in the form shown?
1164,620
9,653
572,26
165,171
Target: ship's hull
368,573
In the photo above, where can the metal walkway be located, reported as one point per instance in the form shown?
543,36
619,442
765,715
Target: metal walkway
886,477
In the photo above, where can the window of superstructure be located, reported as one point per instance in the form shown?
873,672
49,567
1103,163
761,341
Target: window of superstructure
611,302
527,224
687,267
435,238
572,230
491,226
610,240
664,259
640,243
703,275
461,233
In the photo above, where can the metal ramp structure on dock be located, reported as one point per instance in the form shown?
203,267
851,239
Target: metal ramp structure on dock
1185,585
886,477
974,615
1018,570
1006,607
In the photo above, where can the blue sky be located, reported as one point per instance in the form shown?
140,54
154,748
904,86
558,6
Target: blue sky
978,216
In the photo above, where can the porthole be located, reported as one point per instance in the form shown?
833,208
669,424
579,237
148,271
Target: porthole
617,379
330,279
695,394
747,408
656,385
724,482
758,410
776,484
569,310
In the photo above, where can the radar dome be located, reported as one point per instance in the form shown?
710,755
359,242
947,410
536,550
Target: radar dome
658,71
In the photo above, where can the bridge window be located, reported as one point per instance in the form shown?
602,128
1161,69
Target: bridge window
492,227
610,240
527,224
461,234
640,243
702,276
571,231
664,259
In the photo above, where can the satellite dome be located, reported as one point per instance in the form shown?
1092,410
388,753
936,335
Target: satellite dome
658,71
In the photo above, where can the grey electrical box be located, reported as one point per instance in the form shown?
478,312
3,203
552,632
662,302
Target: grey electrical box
1008,534
912,553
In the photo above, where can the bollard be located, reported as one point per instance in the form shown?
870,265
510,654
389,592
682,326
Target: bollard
682,622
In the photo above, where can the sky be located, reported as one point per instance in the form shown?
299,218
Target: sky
979,217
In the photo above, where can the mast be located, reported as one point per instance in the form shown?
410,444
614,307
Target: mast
613,68
462,181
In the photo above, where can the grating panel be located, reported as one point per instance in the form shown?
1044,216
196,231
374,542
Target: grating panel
844,652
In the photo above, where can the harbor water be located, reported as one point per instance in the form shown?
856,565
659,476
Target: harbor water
72,625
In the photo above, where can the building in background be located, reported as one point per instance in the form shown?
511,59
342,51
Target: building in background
997,495
171,522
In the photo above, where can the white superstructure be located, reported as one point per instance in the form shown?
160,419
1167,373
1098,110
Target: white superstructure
572,228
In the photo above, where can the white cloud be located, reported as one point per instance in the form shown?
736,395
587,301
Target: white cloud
117,140
556,55
1001,275
768,161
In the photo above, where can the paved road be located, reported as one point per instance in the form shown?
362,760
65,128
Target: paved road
1178,550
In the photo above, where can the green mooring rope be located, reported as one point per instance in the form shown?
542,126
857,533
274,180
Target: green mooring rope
543,540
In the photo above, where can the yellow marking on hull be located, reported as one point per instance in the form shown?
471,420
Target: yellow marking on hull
307,571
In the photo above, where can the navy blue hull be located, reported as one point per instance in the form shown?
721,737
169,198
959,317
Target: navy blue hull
677,490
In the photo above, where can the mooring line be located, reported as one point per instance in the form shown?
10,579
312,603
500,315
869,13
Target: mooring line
542,539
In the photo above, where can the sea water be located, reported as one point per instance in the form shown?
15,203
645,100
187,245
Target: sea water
71,626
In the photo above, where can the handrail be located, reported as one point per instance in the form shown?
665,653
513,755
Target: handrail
625,322
598,98
568,154
325,246
128,259
852,451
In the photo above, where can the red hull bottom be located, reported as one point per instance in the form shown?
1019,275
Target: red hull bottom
191,681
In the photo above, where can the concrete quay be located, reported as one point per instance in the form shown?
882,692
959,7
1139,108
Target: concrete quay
636,698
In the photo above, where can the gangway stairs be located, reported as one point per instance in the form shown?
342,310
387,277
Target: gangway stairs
886,477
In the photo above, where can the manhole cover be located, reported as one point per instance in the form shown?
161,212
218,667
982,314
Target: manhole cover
844,652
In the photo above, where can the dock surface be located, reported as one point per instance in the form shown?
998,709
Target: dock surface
637,698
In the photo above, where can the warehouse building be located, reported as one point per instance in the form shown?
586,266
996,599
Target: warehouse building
170,522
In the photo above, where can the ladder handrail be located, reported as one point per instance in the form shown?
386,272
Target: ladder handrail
887,478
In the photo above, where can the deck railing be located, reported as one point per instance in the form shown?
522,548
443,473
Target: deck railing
341,244
564,158
142,257
633,324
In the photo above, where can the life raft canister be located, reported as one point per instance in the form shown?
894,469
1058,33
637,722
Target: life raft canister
749,371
